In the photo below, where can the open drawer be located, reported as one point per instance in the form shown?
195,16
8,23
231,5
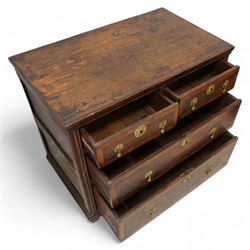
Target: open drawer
147,204
129,127
202,86
140,168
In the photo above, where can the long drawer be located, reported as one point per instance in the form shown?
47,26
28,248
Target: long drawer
123,178
147,204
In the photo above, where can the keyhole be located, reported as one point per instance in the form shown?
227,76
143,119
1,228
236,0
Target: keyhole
185,141
210,89
140,131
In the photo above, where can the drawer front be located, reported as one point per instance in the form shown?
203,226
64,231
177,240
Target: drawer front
137,135
206,93
171,187
188,141
125,139
199,95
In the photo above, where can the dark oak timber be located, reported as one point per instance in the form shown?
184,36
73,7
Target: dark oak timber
134,115
121,179
84,76
137,211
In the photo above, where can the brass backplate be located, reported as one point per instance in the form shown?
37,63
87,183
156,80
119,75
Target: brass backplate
210,89
185,141
140,131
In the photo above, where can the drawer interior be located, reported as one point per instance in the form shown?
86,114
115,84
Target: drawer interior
126,116
189,82
169,179
123,164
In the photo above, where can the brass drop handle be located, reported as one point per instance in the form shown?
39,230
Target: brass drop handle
224,86
193,103
162,126
118,150
213,132
152,212
148,176
210,170
210,89
186,179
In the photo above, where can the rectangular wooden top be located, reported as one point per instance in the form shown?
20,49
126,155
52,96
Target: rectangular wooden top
84,76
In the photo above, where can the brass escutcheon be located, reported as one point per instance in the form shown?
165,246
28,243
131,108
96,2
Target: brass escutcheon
148,176
186,179
162,126
212,133
224,86
186,141
152,211
118,148
140,131
210,170
193,103
210,89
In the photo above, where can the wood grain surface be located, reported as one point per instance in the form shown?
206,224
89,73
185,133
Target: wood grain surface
89,74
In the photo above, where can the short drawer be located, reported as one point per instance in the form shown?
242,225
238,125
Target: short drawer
147,204
118,133
121,179
202,86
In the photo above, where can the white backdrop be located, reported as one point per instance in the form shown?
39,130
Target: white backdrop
37,212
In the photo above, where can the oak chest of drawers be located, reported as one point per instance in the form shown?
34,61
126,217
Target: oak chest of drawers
133,115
